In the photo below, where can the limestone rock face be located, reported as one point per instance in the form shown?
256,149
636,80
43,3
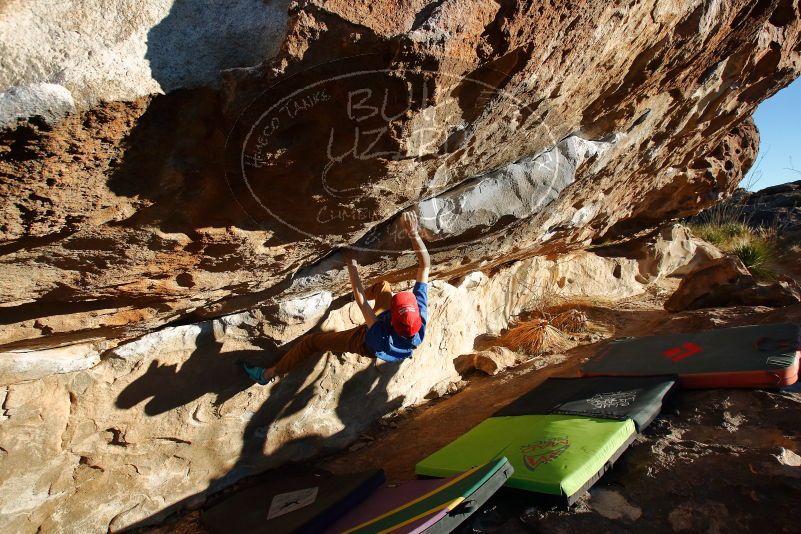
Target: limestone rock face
57,55
727,282
512,129
724,273
161,421
491,361
775,206
670,251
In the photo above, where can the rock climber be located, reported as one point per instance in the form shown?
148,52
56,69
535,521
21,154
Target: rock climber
393,328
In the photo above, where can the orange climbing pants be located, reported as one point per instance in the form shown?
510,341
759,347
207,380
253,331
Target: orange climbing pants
351,340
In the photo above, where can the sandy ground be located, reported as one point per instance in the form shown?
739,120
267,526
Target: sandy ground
714,461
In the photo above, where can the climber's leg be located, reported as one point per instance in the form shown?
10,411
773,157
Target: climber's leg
381,292
346,341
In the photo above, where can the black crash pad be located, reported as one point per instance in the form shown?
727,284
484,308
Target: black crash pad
746,356
282,504
636,398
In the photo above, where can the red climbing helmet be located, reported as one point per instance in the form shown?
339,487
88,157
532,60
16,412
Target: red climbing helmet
405,314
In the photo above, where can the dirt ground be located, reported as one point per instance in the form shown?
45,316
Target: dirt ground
714,461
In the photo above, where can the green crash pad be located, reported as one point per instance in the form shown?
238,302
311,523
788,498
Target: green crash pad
557,455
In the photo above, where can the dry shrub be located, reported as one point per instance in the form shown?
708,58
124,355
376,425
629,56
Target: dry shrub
535,337
572,321
728,226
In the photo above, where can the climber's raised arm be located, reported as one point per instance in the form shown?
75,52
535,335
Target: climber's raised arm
411,225
358,289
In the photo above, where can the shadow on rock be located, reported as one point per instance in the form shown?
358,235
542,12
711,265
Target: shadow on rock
196,40
363,399
173,156
207,370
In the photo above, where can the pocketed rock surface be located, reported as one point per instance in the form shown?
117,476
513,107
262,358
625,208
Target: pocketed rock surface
512,129
178,182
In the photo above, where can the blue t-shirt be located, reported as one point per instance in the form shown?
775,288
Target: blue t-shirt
390,346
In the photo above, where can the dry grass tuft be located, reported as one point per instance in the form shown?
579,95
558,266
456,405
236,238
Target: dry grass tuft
535,337
572,321
728,226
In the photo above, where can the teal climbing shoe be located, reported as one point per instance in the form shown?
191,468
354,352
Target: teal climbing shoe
255,373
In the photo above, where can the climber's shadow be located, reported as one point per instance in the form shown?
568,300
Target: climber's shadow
364,397
207,370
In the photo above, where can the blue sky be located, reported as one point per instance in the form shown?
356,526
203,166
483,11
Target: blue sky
779,123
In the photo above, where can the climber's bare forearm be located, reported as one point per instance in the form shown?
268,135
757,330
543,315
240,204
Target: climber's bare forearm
423,258
411,226
358,294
